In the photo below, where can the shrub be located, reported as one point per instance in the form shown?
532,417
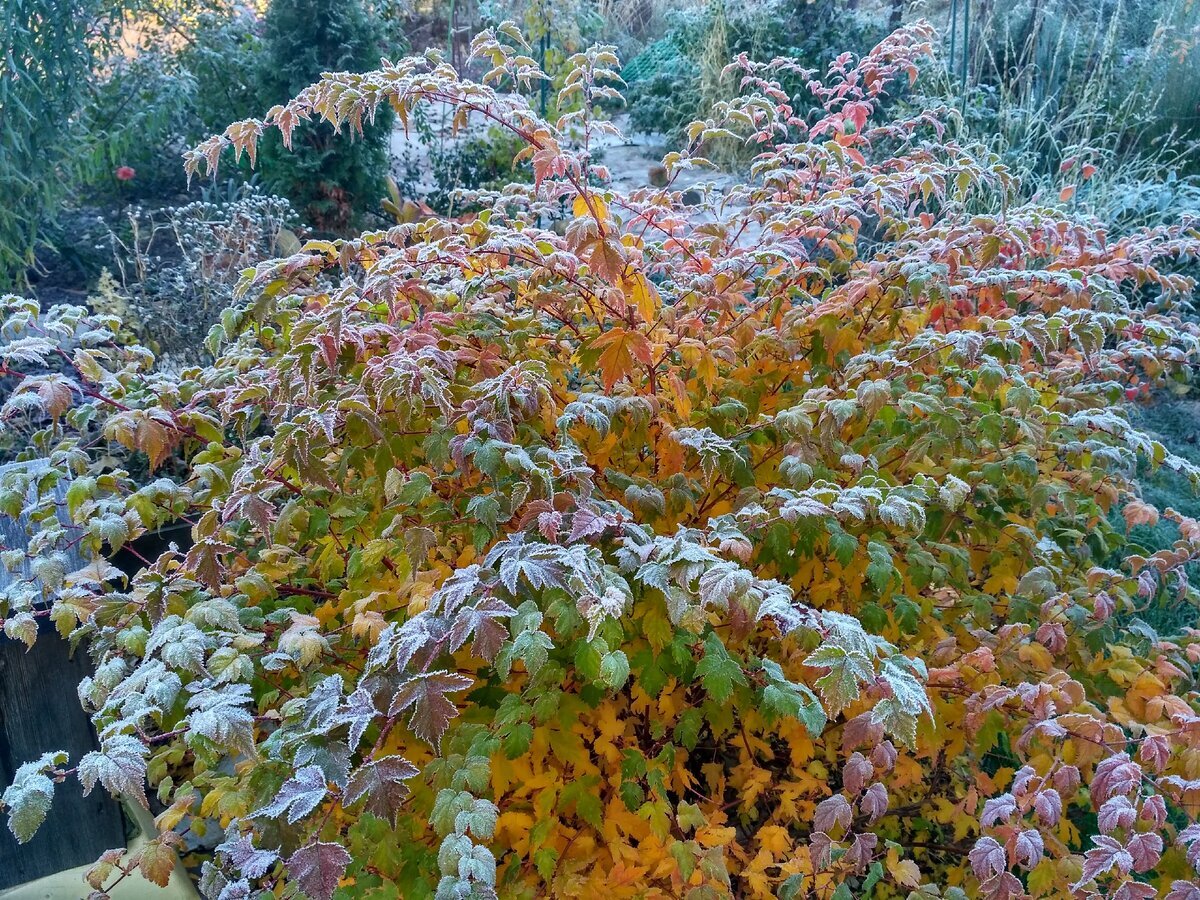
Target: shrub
47,50
329,180
756,549
192,72
177,267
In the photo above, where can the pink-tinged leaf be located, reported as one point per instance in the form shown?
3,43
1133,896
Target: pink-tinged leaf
1066,781
884,756
1028,848
1052,636
1189,835
480,620
1002,887
298,797
1155,752
1023,780
318,867
548,524
382,783
874,802
1135,890
1146,850
987,858
862,851
358,712
426,694
856,773
1117,812
1048,806
1154,810
1108,854
587,524
248,859
833,811
820,849
1103,606
1183,890
861,731
998,809
1117,774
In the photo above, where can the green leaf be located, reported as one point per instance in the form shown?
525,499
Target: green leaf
718,671
614,670
516,742
881,569
28,798
847,669
632,795
792,888
689,816
843,546
687,729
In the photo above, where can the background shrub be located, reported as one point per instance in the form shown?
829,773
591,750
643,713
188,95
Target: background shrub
47,50
328,179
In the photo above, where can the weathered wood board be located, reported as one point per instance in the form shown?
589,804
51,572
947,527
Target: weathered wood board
40,711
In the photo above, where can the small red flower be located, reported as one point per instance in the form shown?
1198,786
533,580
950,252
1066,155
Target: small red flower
125,173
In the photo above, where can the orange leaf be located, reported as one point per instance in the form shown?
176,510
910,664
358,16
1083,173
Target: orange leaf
621,348
1066,193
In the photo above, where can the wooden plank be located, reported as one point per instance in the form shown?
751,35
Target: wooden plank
40,711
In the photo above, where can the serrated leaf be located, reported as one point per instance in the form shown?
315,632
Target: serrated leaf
120,765
426,695
382,783
29,797
717,671
298,796
317,868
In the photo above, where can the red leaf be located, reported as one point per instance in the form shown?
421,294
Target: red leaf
318,867
382,782
431,711
1146,850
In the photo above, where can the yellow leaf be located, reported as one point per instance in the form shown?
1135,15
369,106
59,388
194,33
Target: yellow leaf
904,872
580,207
683,403
1037,656
774,839
640,294
712,836
156,860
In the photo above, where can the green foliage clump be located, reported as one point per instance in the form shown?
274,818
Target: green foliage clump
47,50
327,178
194,70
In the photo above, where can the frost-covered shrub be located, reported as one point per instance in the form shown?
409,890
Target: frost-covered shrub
751,548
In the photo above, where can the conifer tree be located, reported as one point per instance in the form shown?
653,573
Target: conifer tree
331,179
